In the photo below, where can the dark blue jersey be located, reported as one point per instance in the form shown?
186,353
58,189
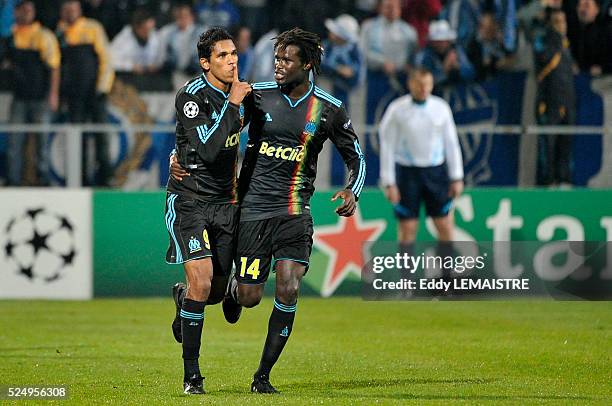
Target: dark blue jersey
207,140
285,139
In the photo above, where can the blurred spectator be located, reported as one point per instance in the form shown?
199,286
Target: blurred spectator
462,15
138,48
264,53
505,14
34,55
591,38
532,18
389,44
217,13
486,50
365,9
253,14
163,11
87,78
246,53
48,12
178,41
556,99
306,14
418,13
7,18
342,63
445,59
112,14
342,58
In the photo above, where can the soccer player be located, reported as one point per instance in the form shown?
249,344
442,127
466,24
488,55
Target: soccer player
202,209
290,119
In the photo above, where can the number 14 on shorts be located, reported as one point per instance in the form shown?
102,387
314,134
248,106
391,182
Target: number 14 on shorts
252,269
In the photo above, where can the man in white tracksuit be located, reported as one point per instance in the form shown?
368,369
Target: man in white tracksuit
420,158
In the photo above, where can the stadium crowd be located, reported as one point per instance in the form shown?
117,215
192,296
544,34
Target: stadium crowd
64,59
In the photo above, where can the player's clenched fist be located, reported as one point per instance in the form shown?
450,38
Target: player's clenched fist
239,89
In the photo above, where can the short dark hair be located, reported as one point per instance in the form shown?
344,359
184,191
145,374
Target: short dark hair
209,38
419,71
182,4
308,43
140,16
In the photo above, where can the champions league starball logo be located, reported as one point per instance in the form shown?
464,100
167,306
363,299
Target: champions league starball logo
191,109
39,245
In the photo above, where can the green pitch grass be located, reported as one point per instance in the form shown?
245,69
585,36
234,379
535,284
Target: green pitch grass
342,351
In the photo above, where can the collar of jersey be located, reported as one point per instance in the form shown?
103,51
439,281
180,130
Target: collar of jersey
212,86
294,104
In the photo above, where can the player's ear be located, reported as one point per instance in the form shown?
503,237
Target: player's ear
307,66
205,64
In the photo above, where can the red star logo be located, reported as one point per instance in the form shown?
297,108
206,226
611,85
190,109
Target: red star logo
344,244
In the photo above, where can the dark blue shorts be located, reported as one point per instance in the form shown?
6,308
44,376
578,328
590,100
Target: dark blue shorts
416,185
263,242
198,229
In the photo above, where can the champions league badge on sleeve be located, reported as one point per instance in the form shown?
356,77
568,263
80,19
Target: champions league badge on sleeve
191,109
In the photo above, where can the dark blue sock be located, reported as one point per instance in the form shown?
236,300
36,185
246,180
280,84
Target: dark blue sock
279,329
192,321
